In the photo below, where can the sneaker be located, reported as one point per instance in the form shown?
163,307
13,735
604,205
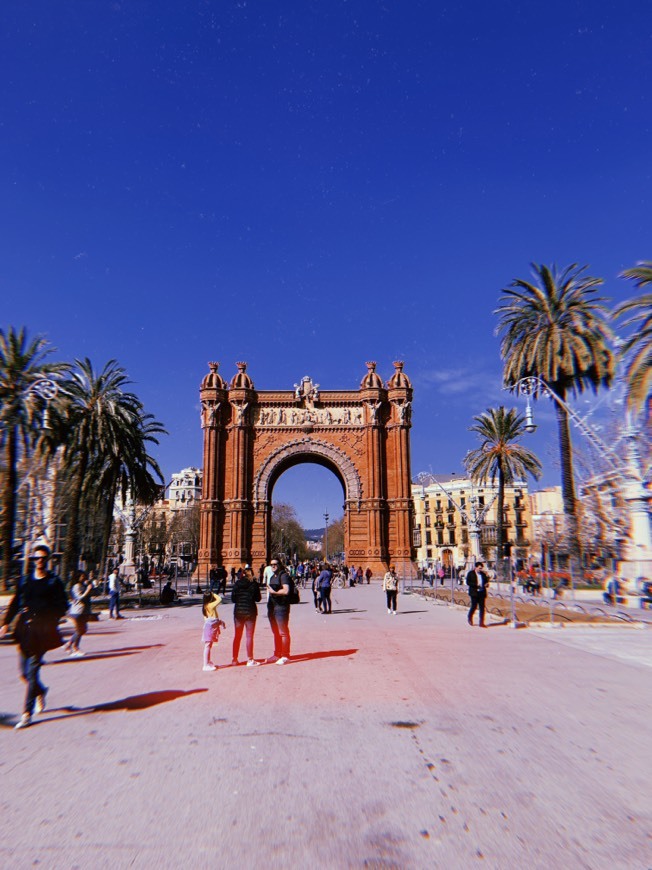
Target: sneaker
39,705
273,659
24,722
210,667
389,611
252,663
77,654
282,661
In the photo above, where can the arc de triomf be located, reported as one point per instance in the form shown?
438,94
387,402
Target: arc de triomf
251,437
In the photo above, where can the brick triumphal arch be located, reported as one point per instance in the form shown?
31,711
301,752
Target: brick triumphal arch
251,437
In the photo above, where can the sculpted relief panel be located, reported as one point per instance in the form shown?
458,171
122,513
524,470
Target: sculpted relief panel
293,416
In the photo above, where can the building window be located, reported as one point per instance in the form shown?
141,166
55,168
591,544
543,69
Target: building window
428,538
438,504
427,521
451,536
440,539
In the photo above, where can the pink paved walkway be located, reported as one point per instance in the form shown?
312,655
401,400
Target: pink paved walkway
408,741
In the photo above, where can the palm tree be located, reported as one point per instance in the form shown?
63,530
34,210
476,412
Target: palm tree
132,471
500,457
639,312
107,442
555,328
23,362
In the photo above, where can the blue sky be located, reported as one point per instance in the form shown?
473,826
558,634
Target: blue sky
309,185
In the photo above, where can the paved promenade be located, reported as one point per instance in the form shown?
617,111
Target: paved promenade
389,742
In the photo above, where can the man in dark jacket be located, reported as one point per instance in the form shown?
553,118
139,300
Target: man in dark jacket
278,611
41,601
477,581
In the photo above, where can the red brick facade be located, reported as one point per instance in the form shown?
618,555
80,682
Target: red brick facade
251,437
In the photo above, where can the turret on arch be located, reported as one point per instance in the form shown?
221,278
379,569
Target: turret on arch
251,437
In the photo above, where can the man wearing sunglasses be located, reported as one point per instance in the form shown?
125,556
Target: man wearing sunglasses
278,612
40,601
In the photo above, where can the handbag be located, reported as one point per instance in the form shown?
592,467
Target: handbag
36,635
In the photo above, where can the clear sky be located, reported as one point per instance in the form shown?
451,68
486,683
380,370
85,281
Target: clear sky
310,185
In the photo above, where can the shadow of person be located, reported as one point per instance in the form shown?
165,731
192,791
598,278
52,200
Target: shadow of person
132,702
324,654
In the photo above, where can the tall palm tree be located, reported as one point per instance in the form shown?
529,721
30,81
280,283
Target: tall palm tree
133,471
500,457
639,314
23,362
555,328
108,429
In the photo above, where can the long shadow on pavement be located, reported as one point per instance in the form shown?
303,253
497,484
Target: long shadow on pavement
133,702
324,654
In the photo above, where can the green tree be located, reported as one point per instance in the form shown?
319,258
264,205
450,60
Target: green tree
500,458
287,536
107,443
638,347
335,538
23,362
555,328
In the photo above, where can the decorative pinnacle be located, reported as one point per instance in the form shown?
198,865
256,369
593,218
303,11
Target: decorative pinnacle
213,366
242,366
371,366
398,365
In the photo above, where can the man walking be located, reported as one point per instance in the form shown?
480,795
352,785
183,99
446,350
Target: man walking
114,594
41,601
477,582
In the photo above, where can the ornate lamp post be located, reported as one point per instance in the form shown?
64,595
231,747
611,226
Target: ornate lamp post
326,518
627,468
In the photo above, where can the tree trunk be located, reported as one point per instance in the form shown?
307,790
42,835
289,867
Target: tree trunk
9,504
71,547
568,490
500,523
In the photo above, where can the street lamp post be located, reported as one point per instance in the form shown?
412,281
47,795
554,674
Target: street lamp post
628,468
326,518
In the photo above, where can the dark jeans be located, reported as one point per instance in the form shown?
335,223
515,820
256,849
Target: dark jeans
114,604
241,623
279,621
30,667
477,602
325,599
391,599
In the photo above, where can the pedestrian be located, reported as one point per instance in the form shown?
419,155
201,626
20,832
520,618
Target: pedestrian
368,574
40,601
358,576
278,611
245,595
212,627
390,587
79,612
169,595
114,594
477,582
352,575
315,591
325,584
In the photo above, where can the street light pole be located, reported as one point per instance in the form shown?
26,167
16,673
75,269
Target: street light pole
629,469
326,518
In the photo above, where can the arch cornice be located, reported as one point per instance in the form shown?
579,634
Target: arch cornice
308,447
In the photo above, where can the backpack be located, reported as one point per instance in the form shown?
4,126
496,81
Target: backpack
293,594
